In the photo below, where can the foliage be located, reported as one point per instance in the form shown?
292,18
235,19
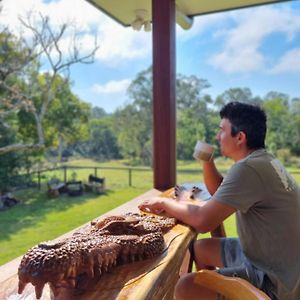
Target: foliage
67,119
295,126
71,127
236,94
97,112
133,123
10,162
37,109
277,117
284,155
25,89
197,117
192,113
102,143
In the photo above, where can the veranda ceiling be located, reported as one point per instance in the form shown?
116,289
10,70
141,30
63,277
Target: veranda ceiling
124,11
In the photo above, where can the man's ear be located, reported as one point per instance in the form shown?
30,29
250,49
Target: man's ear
242,138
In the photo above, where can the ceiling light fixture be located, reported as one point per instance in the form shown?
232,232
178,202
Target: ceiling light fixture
147,26
183,20
141,19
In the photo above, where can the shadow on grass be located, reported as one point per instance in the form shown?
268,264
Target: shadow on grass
34,206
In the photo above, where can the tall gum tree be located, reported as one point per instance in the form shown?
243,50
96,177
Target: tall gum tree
20,74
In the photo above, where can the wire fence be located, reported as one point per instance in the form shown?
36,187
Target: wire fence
116,177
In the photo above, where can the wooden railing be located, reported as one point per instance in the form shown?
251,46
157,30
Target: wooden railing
150,279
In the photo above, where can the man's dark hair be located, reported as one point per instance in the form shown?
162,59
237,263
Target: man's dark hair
250,119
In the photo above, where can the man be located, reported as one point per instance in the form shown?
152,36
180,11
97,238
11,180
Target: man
266,201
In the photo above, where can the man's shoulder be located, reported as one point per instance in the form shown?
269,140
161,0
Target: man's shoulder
257,160
261,155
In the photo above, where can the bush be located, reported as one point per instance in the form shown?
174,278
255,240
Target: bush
284,155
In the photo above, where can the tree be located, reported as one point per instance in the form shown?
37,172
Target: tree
295,126
133,134
277,95
98,112
133,123
9,161
67,119
278,117
22,86
192,113
102,143
237,94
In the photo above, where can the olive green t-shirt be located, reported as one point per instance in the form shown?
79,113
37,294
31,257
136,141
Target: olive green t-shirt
267,200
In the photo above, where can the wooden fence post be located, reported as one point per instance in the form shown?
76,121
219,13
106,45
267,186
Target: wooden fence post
39,180
65,174
129,176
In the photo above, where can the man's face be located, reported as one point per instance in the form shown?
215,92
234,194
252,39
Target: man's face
227,143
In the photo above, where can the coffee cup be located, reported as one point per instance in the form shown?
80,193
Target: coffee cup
203,151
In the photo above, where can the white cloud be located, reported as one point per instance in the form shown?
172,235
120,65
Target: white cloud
12,10
242,43
290,62
112,87
60,11
242,60
78,12
117,43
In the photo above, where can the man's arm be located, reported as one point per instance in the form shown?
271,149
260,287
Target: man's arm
212,177
203,218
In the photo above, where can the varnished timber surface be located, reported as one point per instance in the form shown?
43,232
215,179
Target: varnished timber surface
147,279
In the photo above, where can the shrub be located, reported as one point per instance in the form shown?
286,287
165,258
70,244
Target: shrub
284,155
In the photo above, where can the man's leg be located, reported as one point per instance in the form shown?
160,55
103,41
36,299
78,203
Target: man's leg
208,253
207,256
186,289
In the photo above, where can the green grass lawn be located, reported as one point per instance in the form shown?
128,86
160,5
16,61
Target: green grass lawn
38,218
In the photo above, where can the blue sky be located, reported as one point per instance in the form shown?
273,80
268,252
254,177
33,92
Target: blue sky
258,48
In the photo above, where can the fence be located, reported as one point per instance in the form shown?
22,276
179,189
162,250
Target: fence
115,176
67,173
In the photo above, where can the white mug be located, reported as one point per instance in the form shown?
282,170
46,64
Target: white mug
203,151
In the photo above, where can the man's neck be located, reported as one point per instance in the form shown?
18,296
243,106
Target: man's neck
242,154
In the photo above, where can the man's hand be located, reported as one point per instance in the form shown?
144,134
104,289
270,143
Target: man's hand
154,205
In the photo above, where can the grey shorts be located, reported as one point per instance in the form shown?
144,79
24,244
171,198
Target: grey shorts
236,264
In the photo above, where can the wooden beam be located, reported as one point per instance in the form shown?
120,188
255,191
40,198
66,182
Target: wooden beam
164,98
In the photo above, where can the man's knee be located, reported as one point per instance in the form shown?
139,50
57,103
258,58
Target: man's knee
186,288
183,285
208,253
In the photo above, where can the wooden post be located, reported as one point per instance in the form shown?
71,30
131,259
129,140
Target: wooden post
129,176
164,98
65,174
39,180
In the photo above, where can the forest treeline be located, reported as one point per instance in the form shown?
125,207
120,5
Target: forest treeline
75,129
42,119
127,133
